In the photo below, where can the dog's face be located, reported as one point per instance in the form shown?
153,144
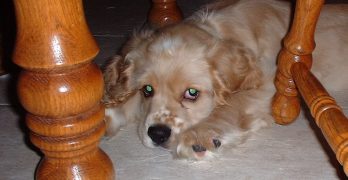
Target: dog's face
174,84
174,95
173,80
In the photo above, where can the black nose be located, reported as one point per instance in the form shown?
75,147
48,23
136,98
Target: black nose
159,133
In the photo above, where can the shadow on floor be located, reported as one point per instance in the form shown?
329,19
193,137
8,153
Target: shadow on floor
324,144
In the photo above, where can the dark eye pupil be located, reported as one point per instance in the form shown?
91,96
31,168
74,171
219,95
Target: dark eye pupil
193,92
148,90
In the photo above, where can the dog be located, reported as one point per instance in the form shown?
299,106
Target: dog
207,82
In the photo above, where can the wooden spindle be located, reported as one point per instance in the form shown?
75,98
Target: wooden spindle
164,12
61,89
294,75
298,47
328,115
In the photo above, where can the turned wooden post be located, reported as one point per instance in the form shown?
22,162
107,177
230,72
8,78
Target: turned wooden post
164,12
298,47
61,89
294,74
328,115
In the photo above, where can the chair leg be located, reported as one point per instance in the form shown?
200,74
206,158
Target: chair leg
294,65
164,12
61,89
298,46
328,115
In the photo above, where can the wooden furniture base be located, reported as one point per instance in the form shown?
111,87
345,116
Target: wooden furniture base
294,76
61,89
164,12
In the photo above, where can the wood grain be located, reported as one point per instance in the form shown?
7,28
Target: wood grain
294,75
298,46
328,115
61,89
163,13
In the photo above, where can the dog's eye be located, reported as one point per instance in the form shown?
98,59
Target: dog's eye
148,91
191,94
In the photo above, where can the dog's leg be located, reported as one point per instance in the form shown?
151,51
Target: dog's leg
225,126
228,125
205,139
114,120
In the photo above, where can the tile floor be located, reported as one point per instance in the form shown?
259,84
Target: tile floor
297,151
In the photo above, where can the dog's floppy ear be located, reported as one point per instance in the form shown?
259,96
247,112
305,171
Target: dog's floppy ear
233,68
249,70
117,73
221,91
116,79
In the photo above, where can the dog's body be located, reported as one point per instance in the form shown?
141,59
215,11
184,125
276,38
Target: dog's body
208,81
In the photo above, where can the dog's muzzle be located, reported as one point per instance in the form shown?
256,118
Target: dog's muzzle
159,134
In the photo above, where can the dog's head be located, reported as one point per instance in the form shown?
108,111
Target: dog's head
176,77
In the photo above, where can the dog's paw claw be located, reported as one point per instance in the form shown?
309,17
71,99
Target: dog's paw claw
199,144
198,148
217,143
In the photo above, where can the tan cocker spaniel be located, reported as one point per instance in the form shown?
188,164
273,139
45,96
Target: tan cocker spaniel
207,82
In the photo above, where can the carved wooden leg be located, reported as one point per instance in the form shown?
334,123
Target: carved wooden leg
298,47
164,12
328,115
293,68
61,89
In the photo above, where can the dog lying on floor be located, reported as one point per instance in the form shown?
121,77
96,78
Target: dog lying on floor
207,82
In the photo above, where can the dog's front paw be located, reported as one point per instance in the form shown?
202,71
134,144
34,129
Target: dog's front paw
198,143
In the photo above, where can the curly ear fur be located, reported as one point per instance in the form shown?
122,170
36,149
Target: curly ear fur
220,89
118,70
116,76
234,68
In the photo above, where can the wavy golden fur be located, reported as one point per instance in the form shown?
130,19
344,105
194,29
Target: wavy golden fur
207,82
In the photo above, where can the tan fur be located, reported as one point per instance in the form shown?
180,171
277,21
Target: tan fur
228,52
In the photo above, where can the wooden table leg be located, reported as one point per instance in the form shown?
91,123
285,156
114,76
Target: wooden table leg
298,46
164,12
61,89
327,114
294,68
